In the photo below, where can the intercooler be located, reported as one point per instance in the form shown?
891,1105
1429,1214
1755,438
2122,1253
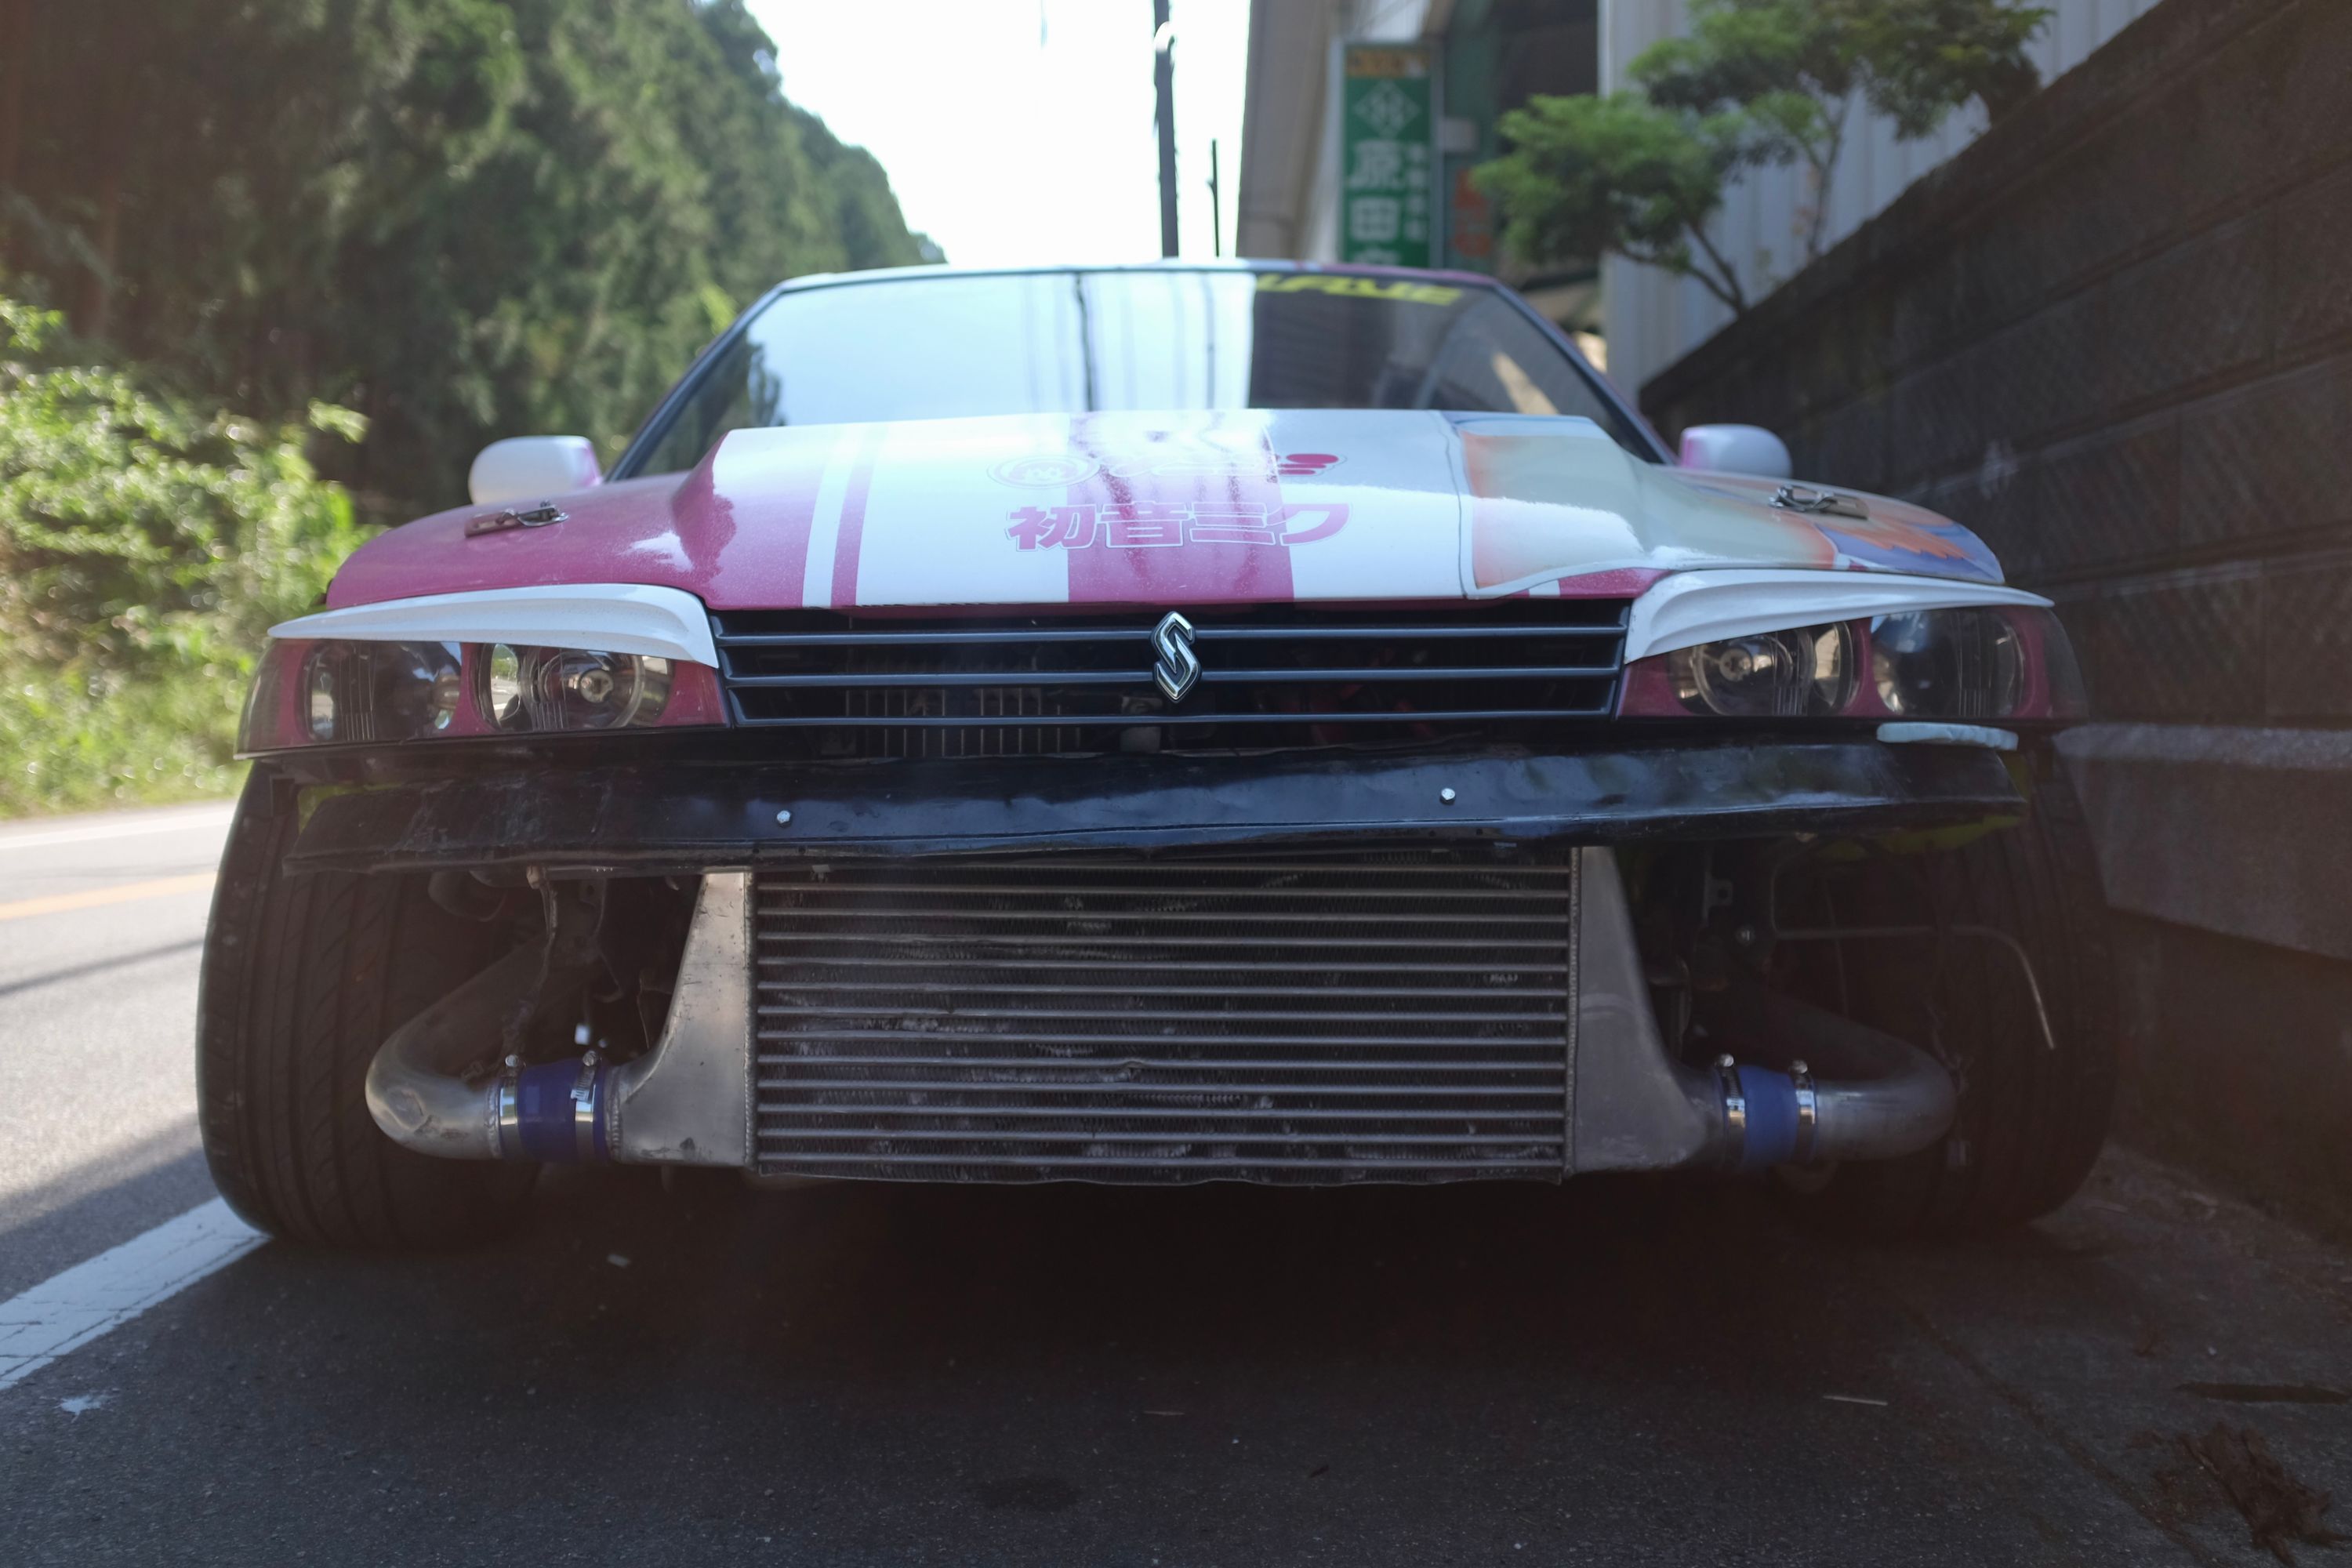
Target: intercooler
1392,1014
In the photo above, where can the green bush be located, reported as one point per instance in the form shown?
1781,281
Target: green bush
145,548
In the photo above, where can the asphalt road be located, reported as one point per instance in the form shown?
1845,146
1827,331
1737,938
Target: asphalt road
1614,1373
101,924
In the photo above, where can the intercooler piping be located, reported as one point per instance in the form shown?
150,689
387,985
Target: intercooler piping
1799,1085
429,1090
1877,1097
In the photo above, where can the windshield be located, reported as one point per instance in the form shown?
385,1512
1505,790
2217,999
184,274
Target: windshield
1067,342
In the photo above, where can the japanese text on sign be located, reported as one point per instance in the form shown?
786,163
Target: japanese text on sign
1386,184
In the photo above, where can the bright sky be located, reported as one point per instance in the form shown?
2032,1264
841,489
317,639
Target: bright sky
1020,130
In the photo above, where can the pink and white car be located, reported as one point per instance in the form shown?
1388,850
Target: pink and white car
1157,724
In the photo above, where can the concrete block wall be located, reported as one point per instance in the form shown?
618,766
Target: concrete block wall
2114,336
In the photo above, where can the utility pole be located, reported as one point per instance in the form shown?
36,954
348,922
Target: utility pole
1217,205
1163,76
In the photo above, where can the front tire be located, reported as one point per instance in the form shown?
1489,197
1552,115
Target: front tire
304,977
2031,1118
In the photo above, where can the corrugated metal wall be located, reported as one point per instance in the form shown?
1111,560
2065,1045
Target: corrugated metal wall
1653,318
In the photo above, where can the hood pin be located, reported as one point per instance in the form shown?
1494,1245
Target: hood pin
512,518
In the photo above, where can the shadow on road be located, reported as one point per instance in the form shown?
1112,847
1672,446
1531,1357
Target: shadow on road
99,1203
1631,1371
100,967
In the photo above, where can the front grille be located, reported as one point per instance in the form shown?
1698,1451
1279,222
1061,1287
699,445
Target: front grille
1271,676
1395,1014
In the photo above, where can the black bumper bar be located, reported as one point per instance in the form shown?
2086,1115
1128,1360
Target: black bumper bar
685,816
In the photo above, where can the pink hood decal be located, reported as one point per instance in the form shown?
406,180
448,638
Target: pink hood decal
1159,509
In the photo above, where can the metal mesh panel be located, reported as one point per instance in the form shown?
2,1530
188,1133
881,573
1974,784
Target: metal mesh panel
1397,1014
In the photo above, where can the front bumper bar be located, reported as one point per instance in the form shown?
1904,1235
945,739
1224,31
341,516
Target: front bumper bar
673,815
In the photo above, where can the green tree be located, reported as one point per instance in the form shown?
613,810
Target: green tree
1753,83
452,217
457,218
465,218
1591,174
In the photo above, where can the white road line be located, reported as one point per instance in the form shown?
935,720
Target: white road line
61,1314
178,822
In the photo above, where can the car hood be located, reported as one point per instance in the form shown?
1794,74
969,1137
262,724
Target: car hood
1184,509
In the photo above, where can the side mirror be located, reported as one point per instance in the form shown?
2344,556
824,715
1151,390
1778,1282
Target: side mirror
1736,449
531,468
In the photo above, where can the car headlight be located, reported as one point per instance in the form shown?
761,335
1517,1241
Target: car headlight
1947,664
358,693
558,689
2012,663
361,691
1767,675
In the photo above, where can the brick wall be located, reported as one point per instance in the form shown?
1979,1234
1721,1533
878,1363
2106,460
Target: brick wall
2114,336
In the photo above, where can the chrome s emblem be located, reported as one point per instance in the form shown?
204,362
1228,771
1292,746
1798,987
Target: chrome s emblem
1178,668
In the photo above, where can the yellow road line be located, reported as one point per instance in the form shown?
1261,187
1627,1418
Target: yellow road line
57,904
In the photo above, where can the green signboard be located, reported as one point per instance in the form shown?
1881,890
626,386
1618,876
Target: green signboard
1387,180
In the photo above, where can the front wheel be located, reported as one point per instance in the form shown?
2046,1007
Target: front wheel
2033,1109
304,977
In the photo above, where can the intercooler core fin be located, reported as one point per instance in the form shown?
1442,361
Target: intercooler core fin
1398,1014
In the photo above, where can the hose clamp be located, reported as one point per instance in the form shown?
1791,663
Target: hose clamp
507,1102
1735,1111
1801,1079
583,1110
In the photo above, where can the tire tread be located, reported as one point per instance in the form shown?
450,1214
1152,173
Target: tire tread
304,977
2032,1121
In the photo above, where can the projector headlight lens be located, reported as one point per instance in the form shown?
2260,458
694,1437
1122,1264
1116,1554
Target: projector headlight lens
1767,675
543,689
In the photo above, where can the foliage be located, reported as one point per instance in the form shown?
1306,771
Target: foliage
1796,67
144,548
1754,82
1589,174
1927,56
464,218
81,738
457,219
